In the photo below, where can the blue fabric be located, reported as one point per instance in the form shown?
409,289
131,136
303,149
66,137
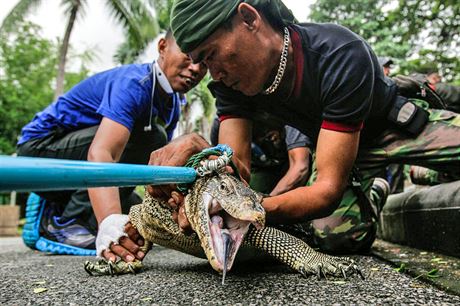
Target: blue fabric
122,94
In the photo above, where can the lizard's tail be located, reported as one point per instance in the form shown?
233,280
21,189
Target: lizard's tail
299,255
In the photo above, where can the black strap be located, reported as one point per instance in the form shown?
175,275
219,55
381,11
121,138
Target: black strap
367,213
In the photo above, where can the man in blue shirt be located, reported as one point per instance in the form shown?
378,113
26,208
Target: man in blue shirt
119,115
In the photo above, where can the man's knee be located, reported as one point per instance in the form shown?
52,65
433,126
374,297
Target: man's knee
60,144
140,145
345,237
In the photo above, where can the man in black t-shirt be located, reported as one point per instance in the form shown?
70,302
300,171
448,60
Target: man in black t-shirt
325,81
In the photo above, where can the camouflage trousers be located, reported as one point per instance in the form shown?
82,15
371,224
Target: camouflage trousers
437,147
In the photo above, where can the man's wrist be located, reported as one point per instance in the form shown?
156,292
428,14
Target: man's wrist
270,204
111,229
196,143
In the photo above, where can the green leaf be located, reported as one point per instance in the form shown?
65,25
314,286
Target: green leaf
40,290
401,269
413,33
433,273
339,282
146,299
375,269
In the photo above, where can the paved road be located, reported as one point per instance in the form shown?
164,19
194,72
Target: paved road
175,278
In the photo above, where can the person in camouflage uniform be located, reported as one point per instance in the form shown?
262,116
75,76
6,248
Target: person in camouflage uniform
436,147
450,98
328,84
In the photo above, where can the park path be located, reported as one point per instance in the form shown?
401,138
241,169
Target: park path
29,277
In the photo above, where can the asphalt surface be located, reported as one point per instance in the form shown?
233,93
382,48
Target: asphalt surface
28,277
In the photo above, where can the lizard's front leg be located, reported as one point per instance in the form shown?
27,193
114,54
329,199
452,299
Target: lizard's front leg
104,267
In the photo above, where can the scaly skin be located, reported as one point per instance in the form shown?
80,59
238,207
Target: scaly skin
153,220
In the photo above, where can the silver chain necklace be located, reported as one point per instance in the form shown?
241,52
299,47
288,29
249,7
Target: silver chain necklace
282,67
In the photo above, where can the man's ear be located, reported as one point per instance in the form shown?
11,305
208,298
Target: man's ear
249,15
162,45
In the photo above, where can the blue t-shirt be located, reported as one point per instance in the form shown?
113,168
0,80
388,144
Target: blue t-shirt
122,94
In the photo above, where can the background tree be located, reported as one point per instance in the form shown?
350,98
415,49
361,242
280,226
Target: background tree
367,18
163,11
134,15
412,32
199,111
147,26
27,71
432,28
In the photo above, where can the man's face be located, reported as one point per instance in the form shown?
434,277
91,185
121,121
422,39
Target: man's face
236,58
433,78
386,70
182,74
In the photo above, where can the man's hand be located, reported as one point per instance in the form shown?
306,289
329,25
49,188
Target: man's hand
117,237
176,153
178,215
128,248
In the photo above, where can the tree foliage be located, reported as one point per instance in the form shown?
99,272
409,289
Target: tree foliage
163,10
366,18
432,29
135,16
137,38
27,72
27,69
415,33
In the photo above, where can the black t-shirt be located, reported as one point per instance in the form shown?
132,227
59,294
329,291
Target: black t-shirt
339,86
268,139
295,139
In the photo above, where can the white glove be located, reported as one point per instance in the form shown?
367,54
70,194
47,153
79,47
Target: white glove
111,229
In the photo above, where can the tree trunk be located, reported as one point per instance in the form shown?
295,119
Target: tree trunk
205,128
185,119
64,48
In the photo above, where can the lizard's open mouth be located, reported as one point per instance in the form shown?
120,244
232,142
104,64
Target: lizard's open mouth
227,232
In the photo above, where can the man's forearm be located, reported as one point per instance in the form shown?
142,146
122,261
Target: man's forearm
292,179
297,174
243,168
105,201
302,204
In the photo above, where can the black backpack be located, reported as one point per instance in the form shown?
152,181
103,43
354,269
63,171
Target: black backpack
417,87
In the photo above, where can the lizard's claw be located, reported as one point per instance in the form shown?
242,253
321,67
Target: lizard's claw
103,267
358,271
111,267
132,268
326,265
318,271
344,271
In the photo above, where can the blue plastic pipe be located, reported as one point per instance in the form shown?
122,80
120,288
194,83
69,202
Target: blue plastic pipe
45,174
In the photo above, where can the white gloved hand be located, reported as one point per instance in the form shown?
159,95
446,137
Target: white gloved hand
111,229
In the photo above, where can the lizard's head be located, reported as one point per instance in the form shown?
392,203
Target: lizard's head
220,209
